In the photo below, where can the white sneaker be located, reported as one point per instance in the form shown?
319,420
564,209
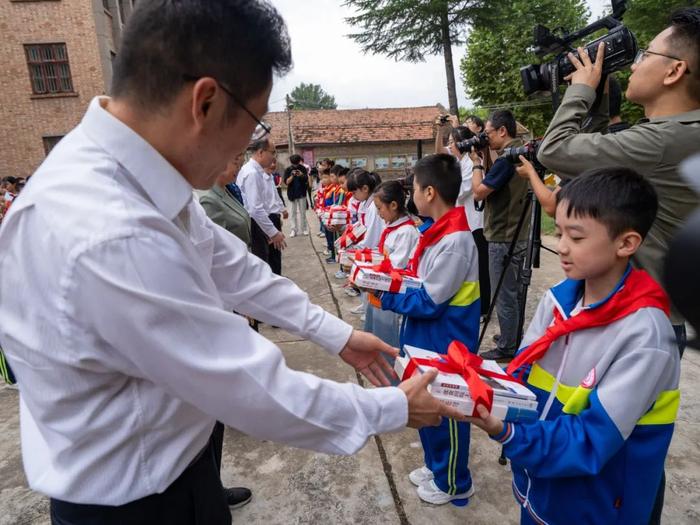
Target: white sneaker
340,274
363,318
321,234
306,232
351,292
421,476
358,310
292,234
432,494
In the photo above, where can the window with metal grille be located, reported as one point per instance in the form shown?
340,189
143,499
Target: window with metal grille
50,142
49,70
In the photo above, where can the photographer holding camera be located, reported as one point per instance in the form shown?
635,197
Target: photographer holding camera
296,177
666,81
505,195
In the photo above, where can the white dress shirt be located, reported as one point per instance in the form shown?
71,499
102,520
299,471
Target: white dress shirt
260,196
369,216
117,293
475,218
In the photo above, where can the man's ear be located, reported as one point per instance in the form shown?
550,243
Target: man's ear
205,94
628,243
429,193
676,73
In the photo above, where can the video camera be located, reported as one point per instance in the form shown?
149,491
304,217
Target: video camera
620,51
478,142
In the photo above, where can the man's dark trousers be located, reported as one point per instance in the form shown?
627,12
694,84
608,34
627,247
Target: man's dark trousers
194,498
261,246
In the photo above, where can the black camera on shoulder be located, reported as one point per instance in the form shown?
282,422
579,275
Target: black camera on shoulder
477,142
620,50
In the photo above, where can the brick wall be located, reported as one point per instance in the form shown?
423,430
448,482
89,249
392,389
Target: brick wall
24,118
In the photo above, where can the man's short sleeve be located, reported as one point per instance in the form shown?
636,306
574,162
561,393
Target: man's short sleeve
499,175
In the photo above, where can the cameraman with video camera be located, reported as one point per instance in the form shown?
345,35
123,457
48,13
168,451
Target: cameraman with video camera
505,195
666,81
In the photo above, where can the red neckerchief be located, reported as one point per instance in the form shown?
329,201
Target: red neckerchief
454,220
389,229
639,291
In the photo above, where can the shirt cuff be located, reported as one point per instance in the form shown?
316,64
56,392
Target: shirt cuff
505,435
331,333
392,413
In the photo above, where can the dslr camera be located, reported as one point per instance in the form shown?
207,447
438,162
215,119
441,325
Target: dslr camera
478,142
620,50
529,151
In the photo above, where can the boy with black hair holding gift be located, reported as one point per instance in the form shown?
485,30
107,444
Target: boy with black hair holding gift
600,355
444,309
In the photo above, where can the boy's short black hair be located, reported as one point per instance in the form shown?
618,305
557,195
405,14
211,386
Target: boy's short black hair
686,35
295,159
442,172
620,198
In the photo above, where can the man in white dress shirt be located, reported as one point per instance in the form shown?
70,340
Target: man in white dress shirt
263,204
117,290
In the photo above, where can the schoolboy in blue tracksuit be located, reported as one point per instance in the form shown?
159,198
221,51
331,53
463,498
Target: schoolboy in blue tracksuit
444,309
600,355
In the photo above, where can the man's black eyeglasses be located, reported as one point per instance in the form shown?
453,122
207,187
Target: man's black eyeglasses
642,53
261,130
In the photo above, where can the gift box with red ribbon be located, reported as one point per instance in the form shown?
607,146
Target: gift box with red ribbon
336,216
373,276
353,234
465,381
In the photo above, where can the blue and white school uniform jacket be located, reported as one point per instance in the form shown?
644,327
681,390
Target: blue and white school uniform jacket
608,398
447,306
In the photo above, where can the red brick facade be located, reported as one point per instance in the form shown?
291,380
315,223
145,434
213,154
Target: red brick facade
89,32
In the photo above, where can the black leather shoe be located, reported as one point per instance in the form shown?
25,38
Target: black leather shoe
497,355
237,496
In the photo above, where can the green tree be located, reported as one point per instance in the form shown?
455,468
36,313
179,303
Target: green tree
498,48
646,19
411,29
311,96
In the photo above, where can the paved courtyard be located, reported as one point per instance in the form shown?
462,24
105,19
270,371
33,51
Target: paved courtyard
292,486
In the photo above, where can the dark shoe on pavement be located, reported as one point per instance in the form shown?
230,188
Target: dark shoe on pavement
496,338
237,496
497,355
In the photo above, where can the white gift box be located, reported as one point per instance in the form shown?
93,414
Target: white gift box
512,401
352,235
364,276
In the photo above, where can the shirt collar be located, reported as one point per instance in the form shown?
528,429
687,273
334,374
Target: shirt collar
683,118
164,185
400,220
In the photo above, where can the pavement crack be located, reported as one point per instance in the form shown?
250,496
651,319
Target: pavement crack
386,465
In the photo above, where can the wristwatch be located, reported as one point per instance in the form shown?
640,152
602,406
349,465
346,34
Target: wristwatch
478,167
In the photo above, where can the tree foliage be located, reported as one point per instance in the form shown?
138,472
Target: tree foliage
311,96
498,48
410,30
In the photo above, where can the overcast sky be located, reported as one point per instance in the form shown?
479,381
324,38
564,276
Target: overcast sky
324,55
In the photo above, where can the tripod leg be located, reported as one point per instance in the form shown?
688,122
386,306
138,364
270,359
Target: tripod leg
502,460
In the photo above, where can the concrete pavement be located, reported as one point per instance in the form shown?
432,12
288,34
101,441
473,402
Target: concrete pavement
292,486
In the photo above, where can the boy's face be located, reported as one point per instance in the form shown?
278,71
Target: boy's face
324,180
361,194
422,197
342,180
333,178
586,250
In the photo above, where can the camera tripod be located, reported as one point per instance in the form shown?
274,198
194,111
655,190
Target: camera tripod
524,277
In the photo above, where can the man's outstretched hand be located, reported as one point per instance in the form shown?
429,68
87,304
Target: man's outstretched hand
423,409
363,352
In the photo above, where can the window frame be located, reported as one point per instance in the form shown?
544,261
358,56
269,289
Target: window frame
48,66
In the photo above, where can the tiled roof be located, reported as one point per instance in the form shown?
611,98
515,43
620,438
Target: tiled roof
345,126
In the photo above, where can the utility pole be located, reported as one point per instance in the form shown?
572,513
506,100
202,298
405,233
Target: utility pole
290,135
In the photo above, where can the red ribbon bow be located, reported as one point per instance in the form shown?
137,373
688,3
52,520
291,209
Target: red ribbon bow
396,274
459,360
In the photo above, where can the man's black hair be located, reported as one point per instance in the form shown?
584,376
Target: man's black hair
504,119
619,198
686,36
259,144
167,43
360,178
295,159
392,191
461,133
476,121
442,172
337,169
